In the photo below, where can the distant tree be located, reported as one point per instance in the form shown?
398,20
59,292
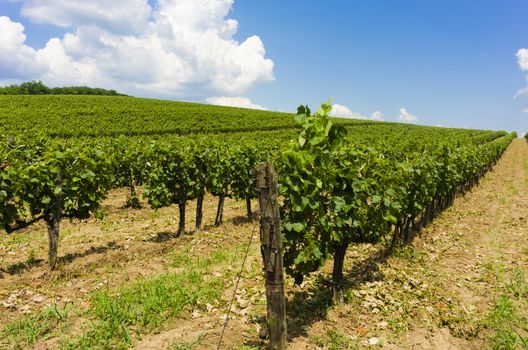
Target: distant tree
38,88
34,88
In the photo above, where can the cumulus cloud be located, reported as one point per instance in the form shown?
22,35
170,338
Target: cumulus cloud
406,116
242,102
344,112
377,115
98,13
522,61
173,48
341,111
17,60
523,91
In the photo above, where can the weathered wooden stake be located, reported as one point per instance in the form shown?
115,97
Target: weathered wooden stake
271,248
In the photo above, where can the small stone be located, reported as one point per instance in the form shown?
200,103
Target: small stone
25,309
196,314
37,298
243,303
373,341
429,309
383,325
8,304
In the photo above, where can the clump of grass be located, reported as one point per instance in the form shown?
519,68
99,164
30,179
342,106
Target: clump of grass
32,257
333,340
517,285
26,331
188,345
500,319
509,315
409,253
144,306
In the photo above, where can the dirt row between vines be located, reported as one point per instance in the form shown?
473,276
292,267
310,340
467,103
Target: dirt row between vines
434,294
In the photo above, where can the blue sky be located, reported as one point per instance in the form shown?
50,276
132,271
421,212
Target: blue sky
449,63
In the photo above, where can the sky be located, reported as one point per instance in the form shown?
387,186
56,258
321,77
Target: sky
453,63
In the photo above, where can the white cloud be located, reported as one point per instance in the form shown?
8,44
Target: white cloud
16,59
173,49
522,59
377,115
344,112
406,116
523,91
525,110
242,102
109,15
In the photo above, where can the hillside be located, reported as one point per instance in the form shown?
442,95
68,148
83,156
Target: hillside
145,230
76,116
98,116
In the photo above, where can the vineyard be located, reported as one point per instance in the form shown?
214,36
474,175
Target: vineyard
342,183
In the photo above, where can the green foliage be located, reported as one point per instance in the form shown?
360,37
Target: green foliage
85,178
219,165
342,181
337,193
171,176
9,208
38,88
308,178
244,158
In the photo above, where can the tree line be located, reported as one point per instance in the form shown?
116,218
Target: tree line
39,88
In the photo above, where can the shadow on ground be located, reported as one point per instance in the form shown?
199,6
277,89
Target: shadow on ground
308,306
21,267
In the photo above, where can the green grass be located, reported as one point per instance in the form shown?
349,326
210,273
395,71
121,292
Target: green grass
143,307
117,317
26,331
187,345
517,285
23,238
409,253
32,257
334,340
509,316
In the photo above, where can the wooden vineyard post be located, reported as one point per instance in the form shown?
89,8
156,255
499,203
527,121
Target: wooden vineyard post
271,248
